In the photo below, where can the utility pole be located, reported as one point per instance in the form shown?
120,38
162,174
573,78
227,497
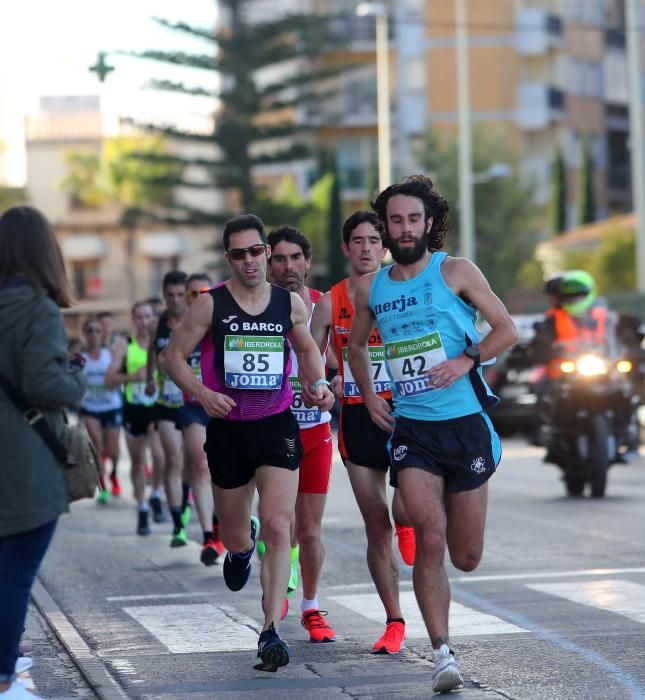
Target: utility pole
467,243
635,72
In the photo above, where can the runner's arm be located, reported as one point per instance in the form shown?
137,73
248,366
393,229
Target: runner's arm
115,376
321,322
310,366
150,364
358,355
466,280
184,340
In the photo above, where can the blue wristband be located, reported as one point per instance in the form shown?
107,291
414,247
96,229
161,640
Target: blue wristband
320,382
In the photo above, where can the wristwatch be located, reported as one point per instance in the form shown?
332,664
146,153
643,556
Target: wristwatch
472,352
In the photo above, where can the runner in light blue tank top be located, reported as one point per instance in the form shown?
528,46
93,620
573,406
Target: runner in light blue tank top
423,322
443,448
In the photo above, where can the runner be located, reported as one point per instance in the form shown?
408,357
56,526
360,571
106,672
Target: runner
246,326
193,420
169,401
289,266
361,443
443,449
128,368
101,408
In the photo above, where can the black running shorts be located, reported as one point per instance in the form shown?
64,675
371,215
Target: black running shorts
360,440
167,413
235,449
464,451
137,418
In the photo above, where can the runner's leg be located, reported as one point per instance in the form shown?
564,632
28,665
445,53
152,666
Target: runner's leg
199,474
466,520
309,512
369,489
277,489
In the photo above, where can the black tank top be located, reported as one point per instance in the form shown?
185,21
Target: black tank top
162,336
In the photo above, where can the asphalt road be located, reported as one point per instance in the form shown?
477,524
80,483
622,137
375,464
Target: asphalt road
555,610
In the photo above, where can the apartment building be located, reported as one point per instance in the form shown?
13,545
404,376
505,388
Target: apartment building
546,74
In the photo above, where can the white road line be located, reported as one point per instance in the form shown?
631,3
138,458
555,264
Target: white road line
624,598
463,621
187,629
153,596
550,574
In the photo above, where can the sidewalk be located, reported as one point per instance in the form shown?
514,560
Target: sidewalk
53,675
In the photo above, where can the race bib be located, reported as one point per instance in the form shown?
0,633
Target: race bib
304,415
170,392
139,395
98,394
253,362
379,374
408,360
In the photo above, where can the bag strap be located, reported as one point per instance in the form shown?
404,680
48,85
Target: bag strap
35,419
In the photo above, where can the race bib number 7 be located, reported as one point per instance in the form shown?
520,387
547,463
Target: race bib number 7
379,374
409,360
253,362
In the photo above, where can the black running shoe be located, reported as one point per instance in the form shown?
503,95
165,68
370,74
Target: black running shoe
143,528
157,509
272,651
237,567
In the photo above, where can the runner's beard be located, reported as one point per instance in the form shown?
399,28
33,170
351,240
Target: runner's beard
408,256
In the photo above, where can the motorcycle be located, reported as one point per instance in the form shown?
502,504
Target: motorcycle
587,419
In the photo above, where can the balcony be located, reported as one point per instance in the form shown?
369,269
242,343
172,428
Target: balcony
537,32
539,105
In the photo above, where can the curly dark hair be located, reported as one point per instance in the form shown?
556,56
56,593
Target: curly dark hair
435,206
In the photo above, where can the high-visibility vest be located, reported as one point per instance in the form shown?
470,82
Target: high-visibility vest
572,335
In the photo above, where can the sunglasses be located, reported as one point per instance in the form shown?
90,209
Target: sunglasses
93,330
253,250
194,293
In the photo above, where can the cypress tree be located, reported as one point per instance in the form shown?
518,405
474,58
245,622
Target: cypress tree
558,204
586,196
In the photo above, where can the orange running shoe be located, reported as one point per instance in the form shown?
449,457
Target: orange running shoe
319,631
116,485
217,541
392,641
407,543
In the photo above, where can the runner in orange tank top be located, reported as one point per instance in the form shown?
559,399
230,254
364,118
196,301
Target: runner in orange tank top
361,443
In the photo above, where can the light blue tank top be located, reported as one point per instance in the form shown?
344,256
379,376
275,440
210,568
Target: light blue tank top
423,322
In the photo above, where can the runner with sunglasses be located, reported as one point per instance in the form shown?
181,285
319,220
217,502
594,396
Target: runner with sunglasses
247,327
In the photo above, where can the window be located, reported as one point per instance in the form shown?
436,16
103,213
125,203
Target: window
415,74
359,96
354,158
87,282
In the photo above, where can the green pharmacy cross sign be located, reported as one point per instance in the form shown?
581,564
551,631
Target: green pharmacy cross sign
101,67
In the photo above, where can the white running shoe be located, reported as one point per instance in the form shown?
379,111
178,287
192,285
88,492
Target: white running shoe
446,676
23,663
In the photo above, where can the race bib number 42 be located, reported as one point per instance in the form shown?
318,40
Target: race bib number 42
379,374
253,362
409,360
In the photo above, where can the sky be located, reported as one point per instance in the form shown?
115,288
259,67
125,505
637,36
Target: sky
46,48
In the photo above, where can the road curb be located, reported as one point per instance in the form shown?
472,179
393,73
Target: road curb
93,670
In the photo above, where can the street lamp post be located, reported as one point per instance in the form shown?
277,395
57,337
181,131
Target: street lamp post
379,10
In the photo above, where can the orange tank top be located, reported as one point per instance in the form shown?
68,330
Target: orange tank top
342,317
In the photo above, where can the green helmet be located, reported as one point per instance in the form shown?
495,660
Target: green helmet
577,292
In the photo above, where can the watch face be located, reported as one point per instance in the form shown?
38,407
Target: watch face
472,352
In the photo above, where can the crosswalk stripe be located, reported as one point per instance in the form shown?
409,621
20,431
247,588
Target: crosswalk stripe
464,621
624,598
186,629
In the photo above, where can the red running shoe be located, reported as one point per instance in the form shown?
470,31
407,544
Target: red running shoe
217,542
319,631
407,543
392,641
209,554
116,485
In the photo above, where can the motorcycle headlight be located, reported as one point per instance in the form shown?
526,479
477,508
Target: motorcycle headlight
624,366
568,367
591,366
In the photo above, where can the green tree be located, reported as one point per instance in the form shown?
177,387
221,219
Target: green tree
140,187
505,209
255,121
558,202
10,196
586,199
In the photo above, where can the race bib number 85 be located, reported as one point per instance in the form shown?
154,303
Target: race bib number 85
408,360
253,362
